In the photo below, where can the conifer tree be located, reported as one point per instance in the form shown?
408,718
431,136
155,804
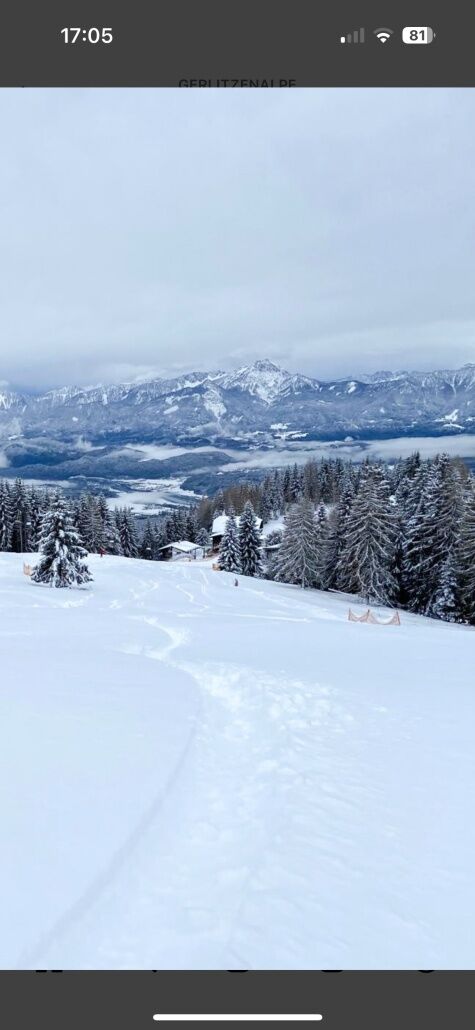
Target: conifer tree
336,564
19,537
229,551
371,540
296,483
178,524
102,508
62,554
127,533
90,523
277,494
110,534
467,556
159,540
415,546
5,518
321,540
311,481
442,525
445,603
298,559
219,507
249,543
35,519
265,500
147,542
191,527
431,532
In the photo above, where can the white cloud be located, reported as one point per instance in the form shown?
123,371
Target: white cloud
159,230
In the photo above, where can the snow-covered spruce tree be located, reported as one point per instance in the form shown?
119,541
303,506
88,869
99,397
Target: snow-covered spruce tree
229,551
371,540
249,543
298,558
467,555
443,517
219,504
147,543
20,524
321,537
127,533
35,519
277,494
431,524
296,483
311,481
265,500
445,602
178,522
90,523
102,507
5,518
191,527
110,534
415,544
336,566
62,554
159,540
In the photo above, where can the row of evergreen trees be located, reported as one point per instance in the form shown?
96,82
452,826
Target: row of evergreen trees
325,480
317,480
23,510
396,536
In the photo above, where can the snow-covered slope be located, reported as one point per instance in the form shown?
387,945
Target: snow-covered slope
195,775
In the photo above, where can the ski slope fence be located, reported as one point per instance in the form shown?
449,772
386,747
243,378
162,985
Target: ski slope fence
368,616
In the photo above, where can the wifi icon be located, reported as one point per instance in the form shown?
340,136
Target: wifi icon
383,34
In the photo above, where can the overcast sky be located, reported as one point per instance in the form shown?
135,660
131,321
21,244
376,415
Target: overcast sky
150,231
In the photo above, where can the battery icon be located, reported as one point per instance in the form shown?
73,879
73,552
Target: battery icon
417,34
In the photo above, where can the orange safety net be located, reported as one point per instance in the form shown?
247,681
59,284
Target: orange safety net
368,616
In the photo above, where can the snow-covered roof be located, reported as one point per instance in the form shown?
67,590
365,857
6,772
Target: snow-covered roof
273,526
181,545
219,524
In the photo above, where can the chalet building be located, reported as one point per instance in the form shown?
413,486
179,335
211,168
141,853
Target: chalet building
219,525
182,550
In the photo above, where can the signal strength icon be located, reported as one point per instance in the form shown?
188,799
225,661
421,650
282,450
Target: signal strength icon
353,37
383,34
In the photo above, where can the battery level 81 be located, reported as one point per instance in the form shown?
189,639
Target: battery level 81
417,34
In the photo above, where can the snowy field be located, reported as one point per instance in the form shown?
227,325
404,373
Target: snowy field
197,776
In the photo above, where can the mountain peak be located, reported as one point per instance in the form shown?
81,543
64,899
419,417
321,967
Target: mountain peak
262,379
265,365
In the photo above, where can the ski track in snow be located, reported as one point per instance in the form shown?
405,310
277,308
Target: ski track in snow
243,714
215,874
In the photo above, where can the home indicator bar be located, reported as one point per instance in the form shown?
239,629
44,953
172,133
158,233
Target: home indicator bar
238,1017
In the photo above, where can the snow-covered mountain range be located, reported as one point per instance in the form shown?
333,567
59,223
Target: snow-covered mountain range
257,404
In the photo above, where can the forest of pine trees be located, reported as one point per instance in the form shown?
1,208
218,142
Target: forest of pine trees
23,510
399,535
